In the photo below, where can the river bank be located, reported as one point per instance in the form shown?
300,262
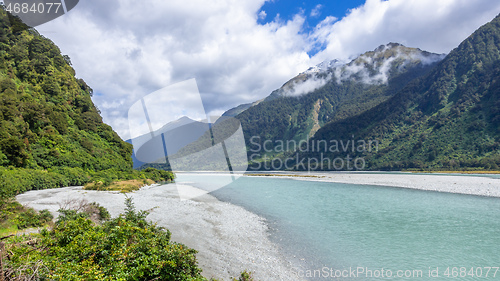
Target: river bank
480,185
229,238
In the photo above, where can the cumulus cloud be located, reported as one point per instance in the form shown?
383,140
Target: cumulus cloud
127,49
262,15
316,11
435,26
376,67
300,87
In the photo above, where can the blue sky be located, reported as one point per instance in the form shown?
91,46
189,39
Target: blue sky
125,49
313,11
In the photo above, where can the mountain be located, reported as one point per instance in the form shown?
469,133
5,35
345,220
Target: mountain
47,118
331,91
240,108
176,134
448,118
391,108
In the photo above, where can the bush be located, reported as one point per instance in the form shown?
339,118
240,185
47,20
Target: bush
32,218
73,209
75,176
245,276
15,181
125,248
157,175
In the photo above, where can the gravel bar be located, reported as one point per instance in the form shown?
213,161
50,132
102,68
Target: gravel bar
229,238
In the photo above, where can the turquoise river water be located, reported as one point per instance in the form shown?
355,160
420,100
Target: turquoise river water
358,232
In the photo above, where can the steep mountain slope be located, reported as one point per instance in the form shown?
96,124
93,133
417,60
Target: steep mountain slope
240,108
333,91
47,118
448,119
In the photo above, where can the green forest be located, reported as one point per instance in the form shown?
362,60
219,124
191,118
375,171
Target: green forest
51,133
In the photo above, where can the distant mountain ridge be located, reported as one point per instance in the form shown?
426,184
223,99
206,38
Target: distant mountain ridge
240,108
189,129
447,119
333,90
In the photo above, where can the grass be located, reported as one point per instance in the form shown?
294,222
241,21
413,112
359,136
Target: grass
10,210
15,218
8,230
122,186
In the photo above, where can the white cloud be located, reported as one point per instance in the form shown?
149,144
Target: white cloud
375,68
434,26
126,49
262,15
316,11
308,83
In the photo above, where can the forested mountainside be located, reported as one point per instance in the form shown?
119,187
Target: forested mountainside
325,93
333,91
447,119
51,133
47,118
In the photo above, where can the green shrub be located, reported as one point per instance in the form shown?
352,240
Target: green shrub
125,248
32,218
245,276
157,175
75,176
75,209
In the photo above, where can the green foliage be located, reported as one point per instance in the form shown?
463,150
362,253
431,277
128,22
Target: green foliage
245,276
125,248
15,151
74,176
14,217
132,215
69,215
9,209
15,181
103,212
47,118
157,175
73,209
32,218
